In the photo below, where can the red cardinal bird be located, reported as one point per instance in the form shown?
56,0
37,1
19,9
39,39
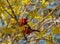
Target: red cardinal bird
28,31
23,21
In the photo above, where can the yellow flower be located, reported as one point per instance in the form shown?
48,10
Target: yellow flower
0,34
50,42
13,20
3,43
56,30
50,17
43,1
25,2
10,42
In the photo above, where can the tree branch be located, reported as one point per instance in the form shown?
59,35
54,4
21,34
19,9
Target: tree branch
14,16
12,10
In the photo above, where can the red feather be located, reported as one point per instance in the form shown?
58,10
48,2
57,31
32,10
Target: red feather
23,21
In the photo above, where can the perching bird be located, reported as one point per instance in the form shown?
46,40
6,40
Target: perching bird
26,30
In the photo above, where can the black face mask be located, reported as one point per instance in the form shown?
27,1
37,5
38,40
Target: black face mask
29,27
25,23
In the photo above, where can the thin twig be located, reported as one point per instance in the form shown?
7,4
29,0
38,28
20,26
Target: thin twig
40,23
12,10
